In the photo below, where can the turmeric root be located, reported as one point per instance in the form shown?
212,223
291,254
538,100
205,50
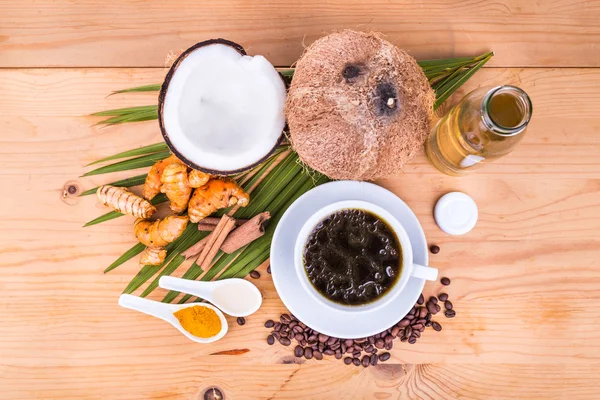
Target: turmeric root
216,194
153,256
176,186
125,202
153,184
198,178
161,232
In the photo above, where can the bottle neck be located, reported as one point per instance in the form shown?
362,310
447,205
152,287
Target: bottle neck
506,110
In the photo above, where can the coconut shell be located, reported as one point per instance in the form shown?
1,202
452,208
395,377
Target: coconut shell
358,106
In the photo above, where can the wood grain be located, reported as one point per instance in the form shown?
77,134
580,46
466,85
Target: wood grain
524,282
135,33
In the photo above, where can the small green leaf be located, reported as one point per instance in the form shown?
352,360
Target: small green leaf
133,163
153,148
128,255
133,117
160,198
125,111
145,88
127,182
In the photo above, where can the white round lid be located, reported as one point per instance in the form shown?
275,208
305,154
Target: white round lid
456,213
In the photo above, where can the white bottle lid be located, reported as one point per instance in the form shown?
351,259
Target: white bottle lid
456,213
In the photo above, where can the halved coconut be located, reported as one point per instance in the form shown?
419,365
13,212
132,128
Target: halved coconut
220,110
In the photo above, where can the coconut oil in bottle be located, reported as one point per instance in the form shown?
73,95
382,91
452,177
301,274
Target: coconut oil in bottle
485,125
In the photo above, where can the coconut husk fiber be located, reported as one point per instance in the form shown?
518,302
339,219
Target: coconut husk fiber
358,106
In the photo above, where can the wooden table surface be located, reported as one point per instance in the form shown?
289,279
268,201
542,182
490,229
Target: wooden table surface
525,281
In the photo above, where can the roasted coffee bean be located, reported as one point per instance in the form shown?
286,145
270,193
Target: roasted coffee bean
374,360
369,348
285,319
308,353
331,341
417,327
270,340
314,347
384,356
343,347
428,323
404,339
410,317
404,323
356,361
334,346
297,329
412,311
437,308
428,317
443,296
436,326
348,360
338,354
277,326
329,352
285,341
448,305
388,346
254,274
302,324
379,343
312,338
374,351
412,340
422,312
434,249
298,351
421,299
421,321
450,314
445,281
303,343
407,331
366,361
323,338
388,338
299,337
361,340
283,333
241,320
433,299
318,355
356,354
276,335
269,269
431,307
349,342
269,323
293,324
395,331
372,339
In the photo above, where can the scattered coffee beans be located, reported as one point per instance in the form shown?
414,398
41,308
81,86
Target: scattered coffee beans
269,269
434,249
445,281
254,274
362,351
241,320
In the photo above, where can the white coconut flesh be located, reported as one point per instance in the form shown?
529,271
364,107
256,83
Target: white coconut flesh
223,111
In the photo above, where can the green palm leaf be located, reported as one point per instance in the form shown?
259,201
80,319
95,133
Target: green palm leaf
133,163
153,148
145,88
127,182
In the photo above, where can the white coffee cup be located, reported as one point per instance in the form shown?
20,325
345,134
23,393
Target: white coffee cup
408,268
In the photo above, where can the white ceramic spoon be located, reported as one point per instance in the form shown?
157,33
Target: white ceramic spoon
165,312
236,297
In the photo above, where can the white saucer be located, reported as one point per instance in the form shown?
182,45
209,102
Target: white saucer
337,323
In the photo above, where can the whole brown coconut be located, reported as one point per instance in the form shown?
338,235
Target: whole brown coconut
358,107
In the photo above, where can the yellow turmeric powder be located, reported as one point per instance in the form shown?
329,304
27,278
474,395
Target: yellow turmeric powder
199,321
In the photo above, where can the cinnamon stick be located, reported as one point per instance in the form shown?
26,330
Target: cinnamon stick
215,221
206,227
196,249
247,233
217,237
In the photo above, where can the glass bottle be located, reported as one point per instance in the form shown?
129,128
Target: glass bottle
486,124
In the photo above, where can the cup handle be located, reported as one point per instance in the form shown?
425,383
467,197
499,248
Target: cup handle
424,272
